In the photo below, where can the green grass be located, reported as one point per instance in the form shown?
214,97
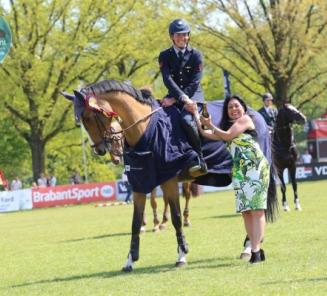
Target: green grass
81,250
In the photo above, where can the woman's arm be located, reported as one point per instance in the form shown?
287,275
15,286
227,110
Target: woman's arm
205,133
238,127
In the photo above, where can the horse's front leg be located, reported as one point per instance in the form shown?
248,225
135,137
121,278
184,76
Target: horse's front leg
170,189
133,255
187,195
283,190
294,186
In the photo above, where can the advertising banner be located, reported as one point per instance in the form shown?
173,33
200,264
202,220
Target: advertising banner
9,202
73,194
311,171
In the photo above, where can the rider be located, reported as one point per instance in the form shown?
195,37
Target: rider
181,67
268,112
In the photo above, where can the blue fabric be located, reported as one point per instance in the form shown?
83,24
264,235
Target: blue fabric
163,151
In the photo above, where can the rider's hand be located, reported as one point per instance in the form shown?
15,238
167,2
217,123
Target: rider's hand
167,102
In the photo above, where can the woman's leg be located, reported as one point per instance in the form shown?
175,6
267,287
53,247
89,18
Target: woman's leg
247,218
258,228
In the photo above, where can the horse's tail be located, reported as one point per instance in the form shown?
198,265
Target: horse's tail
272,201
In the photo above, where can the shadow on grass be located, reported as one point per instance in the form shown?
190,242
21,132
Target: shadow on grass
320,279
197,264
96,237
224,216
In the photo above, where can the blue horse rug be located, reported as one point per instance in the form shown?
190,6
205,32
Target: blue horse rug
163,151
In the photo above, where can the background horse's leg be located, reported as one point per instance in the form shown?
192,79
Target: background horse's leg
154,207
283,189
165,217
170,189
294,185
133,255
187,195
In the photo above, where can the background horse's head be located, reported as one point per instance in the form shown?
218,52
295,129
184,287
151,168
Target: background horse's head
288,114
105,134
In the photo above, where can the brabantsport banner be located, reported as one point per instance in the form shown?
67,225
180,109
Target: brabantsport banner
73,194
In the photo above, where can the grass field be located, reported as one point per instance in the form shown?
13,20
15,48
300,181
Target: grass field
81,250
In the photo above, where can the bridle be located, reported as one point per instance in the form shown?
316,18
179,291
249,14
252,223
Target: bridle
111,138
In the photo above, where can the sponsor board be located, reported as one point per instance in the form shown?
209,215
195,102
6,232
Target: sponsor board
314,171
73,194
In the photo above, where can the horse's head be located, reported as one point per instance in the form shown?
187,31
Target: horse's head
104,134
288,114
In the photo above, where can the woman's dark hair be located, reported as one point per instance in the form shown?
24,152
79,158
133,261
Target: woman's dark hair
226,122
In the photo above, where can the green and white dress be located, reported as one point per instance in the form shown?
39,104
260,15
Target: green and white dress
250,173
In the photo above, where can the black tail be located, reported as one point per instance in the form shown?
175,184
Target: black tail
272,201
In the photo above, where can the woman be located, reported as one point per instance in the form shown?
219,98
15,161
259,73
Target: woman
250,170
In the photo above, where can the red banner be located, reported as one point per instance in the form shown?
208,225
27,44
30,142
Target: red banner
73,194
318,129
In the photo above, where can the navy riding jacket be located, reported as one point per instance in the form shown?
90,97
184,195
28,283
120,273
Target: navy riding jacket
182,78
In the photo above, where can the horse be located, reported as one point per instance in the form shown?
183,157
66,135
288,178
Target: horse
284,149
151,134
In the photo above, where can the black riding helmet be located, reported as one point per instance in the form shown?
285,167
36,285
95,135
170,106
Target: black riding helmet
179,26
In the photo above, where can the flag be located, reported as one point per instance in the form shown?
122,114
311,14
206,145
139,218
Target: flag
227,91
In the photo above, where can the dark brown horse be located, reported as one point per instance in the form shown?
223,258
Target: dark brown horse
284,149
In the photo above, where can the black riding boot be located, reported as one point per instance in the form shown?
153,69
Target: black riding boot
193,137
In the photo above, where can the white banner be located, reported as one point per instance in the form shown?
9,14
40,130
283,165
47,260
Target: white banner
8,201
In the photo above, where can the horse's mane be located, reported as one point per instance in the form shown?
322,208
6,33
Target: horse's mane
105,86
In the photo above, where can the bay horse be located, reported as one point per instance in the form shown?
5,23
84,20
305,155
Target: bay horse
148,130
107,136
284,149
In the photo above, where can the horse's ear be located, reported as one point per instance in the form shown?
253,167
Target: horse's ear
67,96
79,95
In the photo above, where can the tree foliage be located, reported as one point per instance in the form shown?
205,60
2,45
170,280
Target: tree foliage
274,46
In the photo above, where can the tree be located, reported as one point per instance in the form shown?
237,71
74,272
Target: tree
59,45
274,46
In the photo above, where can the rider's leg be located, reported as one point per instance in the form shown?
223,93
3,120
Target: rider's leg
193,137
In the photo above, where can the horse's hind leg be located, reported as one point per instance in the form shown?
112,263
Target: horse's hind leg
165,217
294,185
170,189
187,194
133,255
154,207
283,190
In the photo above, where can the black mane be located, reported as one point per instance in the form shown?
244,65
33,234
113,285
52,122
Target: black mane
114,85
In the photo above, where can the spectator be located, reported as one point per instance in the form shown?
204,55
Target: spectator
42,180
306,157
128,187
52,181
268,112
16,184
75,178
250,170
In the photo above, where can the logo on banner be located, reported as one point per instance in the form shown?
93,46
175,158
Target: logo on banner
5,39
107,191
303,172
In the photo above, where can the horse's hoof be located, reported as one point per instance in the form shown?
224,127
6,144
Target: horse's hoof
298,206
187,224
127,269
286,208
156,228
180,264
162,226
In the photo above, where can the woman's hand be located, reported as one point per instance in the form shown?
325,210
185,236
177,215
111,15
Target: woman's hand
206,121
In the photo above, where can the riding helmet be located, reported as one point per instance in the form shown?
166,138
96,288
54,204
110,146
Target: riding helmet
179,26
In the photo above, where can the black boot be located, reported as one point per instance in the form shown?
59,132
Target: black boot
257,257
199,167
